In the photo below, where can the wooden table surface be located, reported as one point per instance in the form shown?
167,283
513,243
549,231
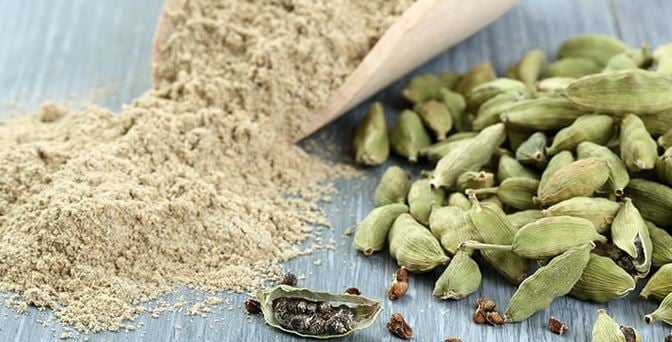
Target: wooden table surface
82,51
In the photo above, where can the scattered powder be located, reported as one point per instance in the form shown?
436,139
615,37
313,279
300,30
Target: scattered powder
194,182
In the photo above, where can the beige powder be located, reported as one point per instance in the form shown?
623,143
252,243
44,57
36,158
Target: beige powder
190,184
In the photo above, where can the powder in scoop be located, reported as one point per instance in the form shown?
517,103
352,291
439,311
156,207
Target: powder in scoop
192,184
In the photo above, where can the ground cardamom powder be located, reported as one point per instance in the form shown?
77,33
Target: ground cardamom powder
189,184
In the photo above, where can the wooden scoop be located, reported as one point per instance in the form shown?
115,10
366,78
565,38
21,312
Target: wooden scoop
427,28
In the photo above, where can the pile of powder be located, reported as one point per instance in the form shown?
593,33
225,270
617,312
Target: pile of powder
192,184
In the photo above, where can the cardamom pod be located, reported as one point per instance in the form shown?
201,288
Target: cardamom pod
408,136
477,75
630,59
372,232
580,178
449,225
599,211
414,246
533,150
542,114
618,172
475,153
606,329
638,150
510,167
602,280
489,112
421,198
458,199
551,236
371,143
662,313
393,187
573,67
456,105
630,234
484,92
629,91
461,278
553,280
660,284
658,123
531,66
597,47
491,225
665,140
523,217
664,167
475,180
663,58
653,200
427,87
316,314
557,162
594,128
517,135
438,150
554,84
516,192
661,243
436,117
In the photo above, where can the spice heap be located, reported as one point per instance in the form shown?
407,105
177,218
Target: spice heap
190,184
554,163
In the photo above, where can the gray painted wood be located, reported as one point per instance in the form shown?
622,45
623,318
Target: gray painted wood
99,51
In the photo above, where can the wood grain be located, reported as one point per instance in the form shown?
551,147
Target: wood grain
99,51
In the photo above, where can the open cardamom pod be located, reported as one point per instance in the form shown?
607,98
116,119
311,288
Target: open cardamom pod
602,280
606,329
413,246
630,234
316,314
461,278
371,233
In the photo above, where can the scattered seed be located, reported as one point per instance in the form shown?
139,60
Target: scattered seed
494,318
486,304
252,306
556,326
398,326
453,339
289,279
353,291
478,316
397,290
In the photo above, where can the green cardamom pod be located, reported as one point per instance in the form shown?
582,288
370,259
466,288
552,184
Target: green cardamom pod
558,161
484,92
665,140
618,171
475,153
426,87
477,75
461,278
393,187
414,246
553,280
630,234
509,167
653,200
602,280
489,112
664,167
662,313
594,128
580,178
438,150
573,67
658,123
409,136
491,226
638,149
475,180
458,199
523,217
518,192
421,198
533,150
554,84
661,243
631,59
551,236
599,211
629,91
456,105
316,314
372,232
542,114
597,47
449,225
663,58
606,329
436,117
660,284
371,143
531,66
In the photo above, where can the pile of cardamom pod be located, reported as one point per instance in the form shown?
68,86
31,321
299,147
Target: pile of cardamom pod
552,174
